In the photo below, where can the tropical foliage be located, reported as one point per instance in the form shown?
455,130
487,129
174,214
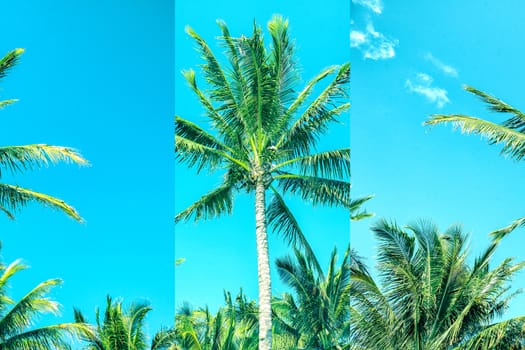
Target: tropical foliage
233,327
123,329
21,158
263,136
430,296
316,315
17,318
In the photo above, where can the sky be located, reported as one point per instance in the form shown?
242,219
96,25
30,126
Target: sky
410,60
220,254
96,76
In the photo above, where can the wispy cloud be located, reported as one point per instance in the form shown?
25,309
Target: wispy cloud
422,85
374,5
445,68
373,44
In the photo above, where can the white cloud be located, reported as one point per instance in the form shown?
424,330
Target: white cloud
373,44
445,68
374,5
357,38
422,85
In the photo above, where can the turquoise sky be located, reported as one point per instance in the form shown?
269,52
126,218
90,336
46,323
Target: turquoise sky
221,254
410,60
97,76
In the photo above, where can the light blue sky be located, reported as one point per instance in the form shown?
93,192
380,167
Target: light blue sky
220,254
410,60
97,76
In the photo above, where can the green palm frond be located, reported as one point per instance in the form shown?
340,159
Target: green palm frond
15,197
504,231
21,158
4,103
9,61
356,213
316,190
212,204
22,314
513,141
306,130
17,317
281,219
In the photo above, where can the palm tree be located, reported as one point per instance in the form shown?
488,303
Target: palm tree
123,329
18,317
317,313
264,135
429,296
233,327
21,158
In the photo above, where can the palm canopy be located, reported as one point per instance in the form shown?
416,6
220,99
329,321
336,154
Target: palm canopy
316,314
262,130
123,329
232,327
22,158
18,317
429,296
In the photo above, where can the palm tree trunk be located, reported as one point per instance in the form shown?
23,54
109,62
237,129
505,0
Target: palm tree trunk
263,269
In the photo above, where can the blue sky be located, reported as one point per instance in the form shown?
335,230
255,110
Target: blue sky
97,76
410,60
220,254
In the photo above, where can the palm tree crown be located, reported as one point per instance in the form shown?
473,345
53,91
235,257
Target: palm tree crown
430,297
264,136
17,317
123,329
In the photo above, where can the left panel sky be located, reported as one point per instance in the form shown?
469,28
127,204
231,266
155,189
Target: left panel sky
96,76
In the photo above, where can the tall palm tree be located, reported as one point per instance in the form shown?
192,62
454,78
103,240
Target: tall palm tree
430,297
18,317
123,329
21,158
264,135
317,312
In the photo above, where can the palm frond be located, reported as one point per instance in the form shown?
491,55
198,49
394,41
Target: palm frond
504,231
4,103
15,197
213,204
283,222
513,141
331,164
494,103
316,190
302,135
20,158
9,61
23,313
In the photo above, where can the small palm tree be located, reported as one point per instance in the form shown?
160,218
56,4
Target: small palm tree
123,329
263,136
21,158
317,313
233,327
429,296
18,317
